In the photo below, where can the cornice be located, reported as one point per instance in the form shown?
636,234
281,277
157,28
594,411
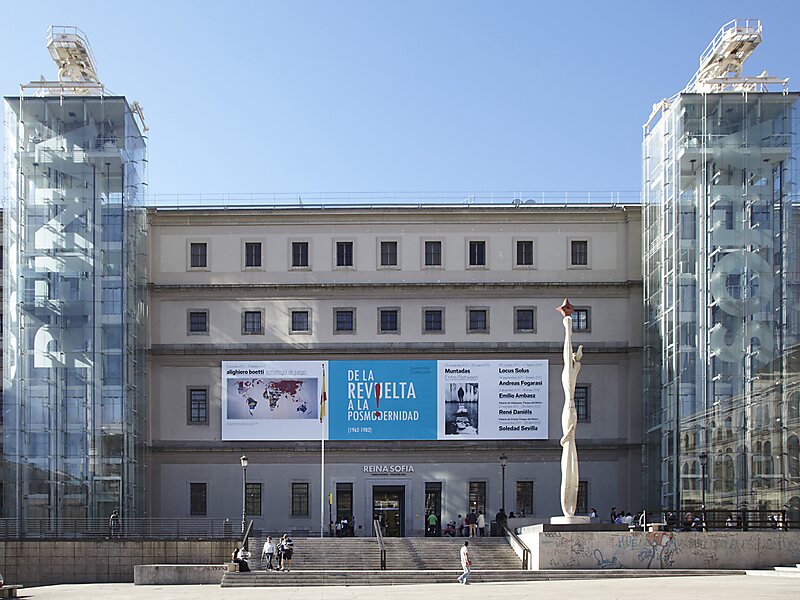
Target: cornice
163,217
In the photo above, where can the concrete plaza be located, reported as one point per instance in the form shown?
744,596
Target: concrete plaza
707,588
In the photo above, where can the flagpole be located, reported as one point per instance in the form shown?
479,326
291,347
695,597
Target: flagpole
323,398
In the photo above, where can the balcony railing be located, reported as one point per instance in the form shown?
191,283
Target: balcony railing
127,528
367,200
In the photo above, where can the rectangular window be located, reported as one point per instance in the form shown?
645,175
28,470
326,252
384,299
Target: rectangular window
301,321
252,323
477,254
524,502
344,503
388,254
478,320
198,405
389,320
344,254
198,322
299,499
524,319
433,254
300,254
252,254
252,499
197,499
434,320
582,507
579,253
525,253
198,255
581,319
345,320
582,402
477,496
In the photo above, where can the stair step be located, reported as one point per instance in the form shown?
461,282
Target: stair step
349,578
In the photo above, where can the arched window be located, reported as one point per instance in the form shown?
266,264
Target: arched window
767,464
686,482
728,471
793,449
793,408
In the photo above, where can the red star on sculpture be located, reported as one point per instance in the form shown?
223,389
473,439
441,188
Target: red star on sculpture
566,309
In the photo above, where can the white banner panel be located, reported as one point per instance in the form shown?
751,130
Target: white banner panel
493,399
271,400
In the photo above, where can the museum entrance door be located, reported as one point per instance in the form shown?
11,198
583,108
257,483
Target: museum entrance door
388,507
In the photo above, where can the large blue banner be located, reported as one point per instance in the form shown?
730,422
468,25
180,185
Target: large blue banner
382,400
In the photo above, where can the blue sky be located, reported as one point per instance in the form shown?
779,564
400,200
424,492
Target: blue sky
377,96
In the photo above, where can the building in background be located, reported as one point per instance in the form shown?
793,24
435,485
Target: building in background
74,282
722,305
417,283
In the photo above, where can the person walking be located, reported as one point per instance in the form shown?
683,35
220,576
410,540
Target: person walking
466,563
113,524
268,552
288,550
481,524
432,521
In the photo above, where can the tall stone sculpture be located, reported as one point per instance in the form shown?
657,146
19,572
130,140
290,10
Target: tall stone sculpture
569,417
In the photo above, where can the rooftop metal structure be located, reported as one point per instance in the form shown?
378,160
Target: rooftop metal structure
77,69
721,65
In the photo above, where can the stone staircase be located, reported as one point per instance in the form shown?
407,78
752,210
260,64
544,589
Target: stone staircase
356,561
404,554
777,571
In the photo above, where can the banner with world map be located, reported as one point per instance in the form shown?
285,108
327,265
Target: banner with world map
276,400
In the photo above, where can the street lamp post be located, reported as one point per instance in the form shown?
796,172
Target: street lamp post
703,462
503,463
243,460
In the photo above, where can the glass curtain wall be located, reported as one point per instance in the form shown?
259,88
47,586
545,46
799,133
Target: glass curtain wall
74,332
722,303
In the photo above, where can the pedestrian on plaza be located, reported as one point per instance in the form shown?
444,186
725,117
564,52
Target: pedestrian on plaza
473,524
501,518
113,524
239,556
268,552
593,514
466,563
460,525
432,521
288,550
481,524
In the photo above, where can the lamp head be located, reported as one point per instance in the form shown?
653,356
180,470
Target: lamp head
244,461
503,460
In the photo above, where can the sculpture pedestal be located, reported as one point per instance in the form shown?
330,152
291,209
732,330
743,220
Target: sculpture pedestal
575,520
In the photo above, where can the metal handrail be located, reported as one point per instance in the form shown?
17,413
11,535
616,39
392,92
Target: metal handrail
153,528
376,526
728,519
526,552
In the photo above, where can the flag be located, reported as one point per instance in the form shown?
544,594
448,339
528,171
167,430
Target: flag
323,397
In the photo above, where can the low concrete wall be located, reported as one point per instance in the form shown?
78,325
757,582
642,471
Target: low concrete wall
178,574
46,562
660,550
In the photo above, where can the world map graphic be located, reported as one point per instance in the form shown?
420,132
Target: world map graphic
272,398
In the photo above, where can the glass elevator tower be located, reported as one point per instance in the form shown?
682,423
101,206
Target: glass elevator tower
74,283
722,289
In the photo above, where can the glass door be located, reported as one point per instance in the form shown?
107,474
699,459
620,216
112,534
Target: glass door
389,510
